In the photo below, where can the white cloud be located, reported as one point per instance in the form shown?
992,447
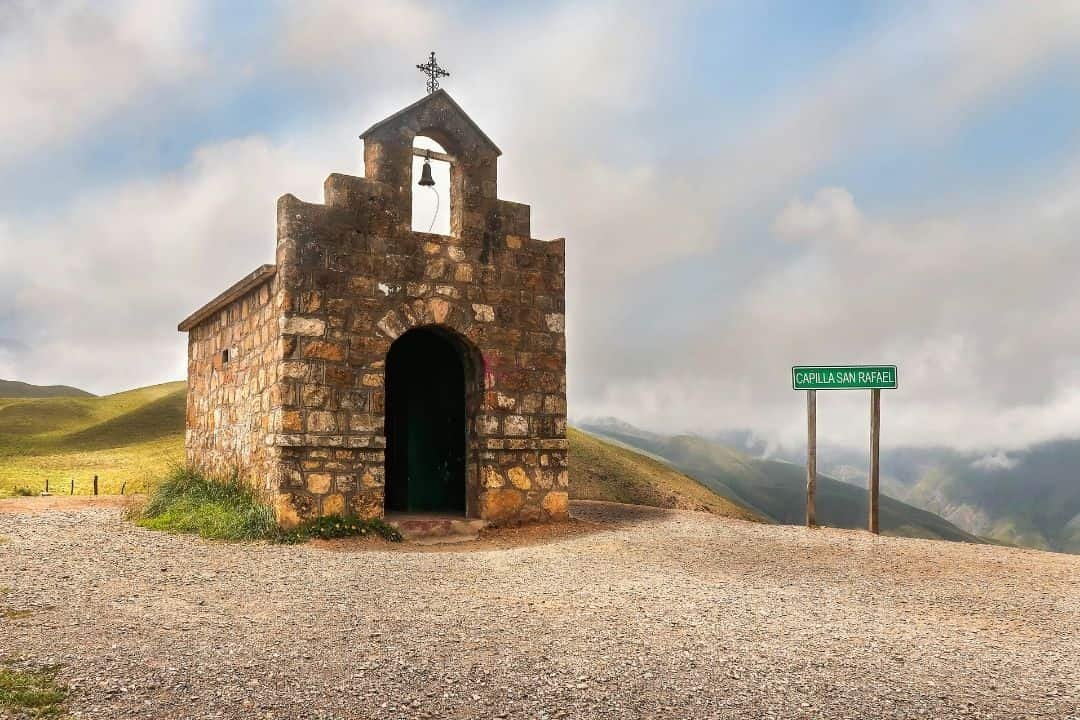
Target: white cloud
830,214
978,310
995,461
66,66
102,285
336,32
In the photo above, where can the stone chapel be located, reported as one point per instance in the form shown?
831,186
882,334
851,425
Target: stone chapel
376,369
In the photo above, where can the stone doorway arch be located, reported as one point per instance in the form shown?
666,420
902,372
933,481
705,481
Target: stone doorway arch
432,392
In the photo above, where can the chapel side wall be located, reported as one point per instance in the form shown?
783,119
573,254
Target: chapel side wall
353,278
228,404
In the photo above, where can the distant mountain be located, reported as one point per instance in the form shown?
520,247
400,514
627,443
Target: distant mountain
1029,497
776,489
16,389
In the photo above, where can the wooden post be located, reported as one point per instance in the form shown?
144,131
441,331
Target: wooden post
46,486
875,447
72,487
811,457
95,484
122,486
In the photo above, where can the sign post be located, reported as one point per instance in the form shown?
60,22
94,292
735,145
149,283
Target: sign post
875,447
811,457
812,378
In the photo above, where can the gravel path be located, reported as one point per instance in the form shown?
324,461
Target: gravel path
649,614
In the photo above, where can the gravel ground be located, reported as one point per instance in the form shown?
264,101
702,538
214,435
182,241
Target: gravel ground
630,613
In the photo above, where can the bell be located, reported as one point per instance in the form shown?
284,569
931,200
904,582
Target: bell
425,175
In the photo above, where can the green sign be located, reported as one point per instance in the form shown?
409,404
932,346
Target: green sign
843,377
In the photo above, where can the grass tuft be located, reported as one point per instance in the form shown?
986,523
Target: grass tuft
31,693
188,501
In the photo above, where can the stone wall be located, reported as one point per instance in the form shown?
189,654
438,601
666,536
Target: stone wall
352,280
229,403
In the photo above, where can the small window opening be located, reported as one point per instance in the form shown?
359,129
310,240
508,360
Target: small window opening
430,204
225,356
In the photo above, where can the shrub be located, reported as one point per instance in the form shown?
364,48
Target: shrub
24,491
218,508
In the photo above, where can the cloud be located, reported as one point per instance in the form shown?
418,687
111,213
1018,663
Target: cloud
99,288
336,32
9,350
830,214
995,461
67,66
975,307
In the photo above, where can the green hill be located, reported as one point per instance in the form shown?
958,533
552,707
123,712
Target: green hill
129,437
133,437
601,470
16,389
777,490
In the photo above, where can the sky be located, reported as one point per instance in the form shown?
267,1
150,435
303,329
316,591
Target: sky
742,187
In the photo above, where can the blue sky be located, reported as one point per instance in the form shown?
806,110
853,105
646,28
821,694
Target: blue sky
743,185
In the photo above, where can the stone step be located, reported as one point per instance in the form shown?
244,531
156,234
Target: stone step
436,528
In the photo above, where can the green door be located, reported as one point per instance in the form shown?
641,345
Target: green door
425,425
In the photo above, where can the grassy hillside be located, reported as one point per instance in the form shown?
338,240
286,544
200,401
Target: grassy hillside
135,436
16,389
601,470
1028,497
777,490
128,437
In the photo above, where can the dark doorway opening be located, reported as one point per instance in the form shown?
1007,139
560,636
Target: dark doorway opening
425,424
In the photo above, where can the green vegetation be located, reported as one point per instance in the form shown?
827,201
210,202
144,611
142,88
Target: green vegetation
221,509
16,389
777,490
126,438
31,693
601,470
188,501
339,526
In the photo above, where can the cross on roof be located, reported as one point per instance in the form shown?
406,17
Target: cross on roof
433,71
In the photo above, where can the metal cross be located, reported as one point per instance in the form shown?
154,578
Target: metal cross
433,71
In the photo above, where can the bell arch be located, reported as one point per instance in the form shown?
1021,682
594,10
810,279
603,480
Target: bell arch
432,195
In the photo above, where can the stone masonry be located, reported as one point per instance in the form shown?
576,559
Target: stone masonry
286,369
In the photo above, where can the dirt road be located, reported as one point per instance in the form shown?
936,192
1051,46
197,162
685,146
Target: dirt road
645,613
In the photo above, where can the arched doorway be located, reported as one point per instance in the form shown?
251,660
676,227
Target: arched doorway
425,423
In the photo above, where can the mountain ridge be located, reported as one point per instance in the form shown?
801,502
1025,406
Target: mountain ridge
776,489
19,389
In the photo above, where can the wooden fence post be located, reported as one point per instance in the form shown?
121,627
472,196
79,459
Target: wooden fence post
72,487
46,486
122,486
811,457
95,484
